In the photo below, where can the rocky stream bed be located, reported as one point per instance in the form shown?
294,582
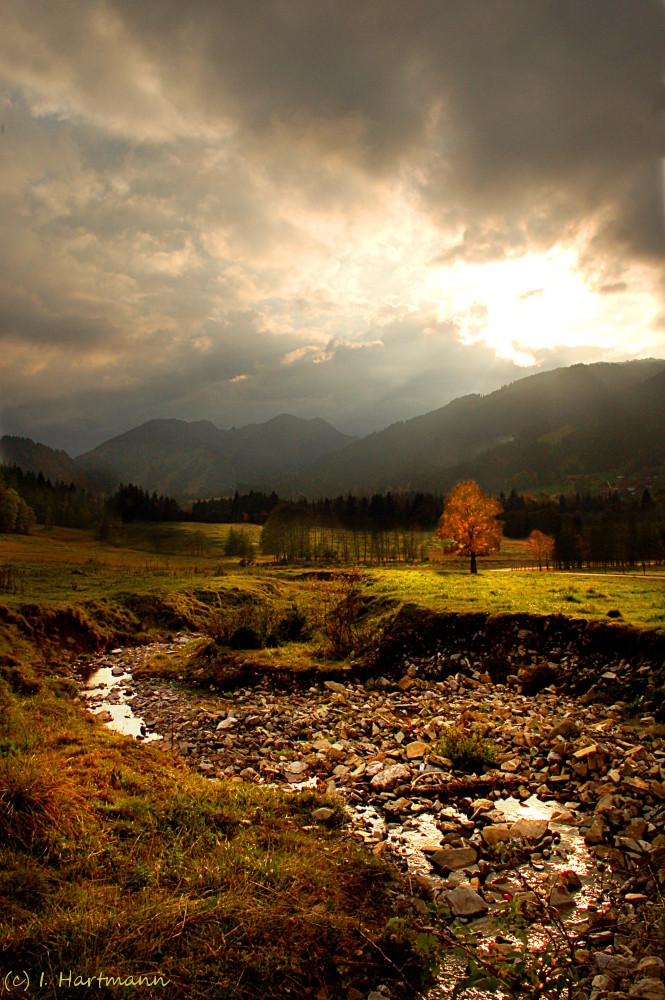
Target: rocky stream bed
573,809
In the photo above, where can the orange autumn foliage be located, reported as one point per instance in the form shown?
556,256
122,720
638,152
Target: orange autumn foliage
541,547
469,522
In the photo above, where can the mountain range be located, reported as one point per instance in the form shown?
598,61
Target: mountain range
198,460
599,421
590,422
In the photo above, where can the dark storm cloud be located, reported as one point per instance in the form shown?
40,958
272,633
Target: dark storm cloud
231,210
551,106
540,108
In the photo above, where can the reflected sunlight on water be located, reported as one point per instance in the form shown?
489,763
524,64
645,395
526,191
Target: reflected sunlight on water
105,692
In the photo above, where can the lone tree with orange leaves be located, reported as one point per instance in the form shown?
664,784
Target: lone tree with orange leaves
469,523
541,547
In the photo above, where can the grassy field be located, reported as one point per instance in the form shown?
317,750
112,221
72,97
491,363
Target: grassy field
64,566
641,600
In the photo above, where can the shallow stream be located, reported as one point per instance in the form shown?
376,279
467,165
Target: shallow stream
108,690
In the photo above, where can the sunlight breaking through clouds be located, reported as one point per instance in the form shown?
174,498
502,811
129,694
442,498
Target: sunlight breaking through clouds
524,306
365,210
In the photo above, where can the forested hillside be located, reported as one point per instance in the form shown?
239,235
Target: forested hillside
599,421
191,460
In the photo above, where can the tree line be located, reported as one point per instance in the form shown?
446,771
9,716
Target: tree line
28,498
599,530
593,531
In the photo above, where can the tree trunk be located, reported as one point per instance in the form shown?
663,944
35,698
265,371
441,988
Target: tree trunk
474,568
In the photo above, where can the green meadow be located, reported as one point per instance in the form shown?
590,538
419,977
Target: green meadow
66,567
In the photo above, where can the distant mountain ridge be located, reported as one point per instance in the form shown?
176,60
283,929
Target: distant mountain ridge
53,463
539,433
192,460
535,432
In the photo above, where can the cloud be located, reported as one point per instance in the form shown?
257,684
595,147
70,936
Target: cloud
232,210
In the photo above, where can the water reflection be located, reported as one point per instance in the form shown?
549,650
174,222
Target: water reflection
106,691
567,852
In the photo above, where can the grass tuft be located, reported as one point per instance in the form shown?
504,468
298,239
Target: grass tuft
468,751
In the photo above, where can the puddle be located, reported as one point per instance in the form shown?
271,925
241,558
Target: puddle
106,691
566,852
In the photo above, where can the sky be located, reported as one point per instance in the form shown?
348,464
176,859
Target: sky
349,209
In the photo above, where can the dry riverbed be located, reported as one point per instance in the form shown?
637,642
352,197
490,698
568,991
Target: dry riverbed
573,810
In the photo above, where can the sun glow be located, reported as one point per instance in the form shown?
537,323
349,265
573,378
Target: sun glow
524,306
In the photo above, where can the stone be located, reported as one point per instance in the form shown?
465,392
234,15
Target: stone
651,967
389,777
416,749
632,846
450,859
227,723
564,816
465,902
334,686
529,829
636,829
613,964
584,752
605,804
322,814
295,770
595,834
570,879
648,989
497,833
482,805
567,728
560,897
405,683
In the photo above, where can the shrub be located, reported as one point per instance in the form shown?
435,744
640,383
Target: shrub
245,626
342,607
467,751
238,543
245,637
10,579
292,627
498,669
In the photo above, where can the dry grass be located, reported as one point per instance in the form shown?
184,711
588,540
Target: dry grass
115,860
